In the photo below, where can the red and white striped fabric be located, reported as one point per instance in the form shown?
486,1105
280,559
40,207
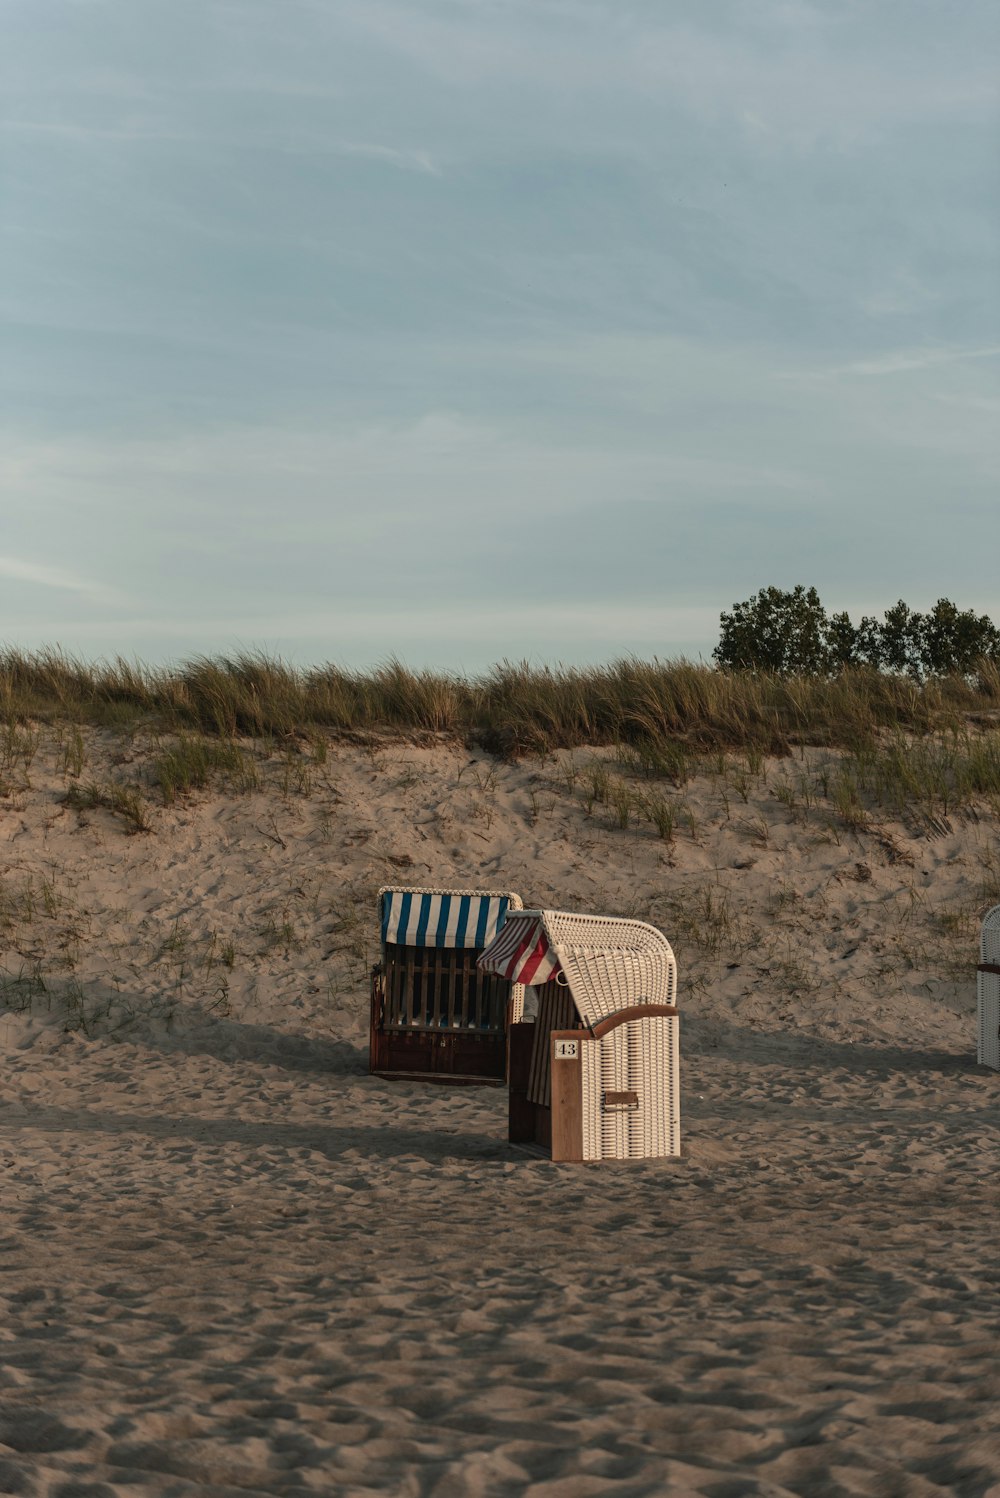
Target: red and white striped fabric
520,952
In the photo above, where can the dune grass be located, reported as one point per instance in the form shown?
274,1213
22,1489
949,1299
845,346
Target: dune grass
667,710
895,744
938,774
193,761
126,801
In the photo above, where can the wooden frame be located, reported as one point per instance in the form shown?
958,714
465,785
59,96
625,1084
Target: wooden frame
532,1072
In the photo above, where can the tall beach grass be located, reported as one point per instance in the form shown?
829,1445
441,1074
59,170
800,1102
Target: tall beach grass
666,706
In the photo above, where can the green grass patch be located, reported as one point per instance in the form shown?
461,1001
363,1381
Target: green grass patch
192,763
125,801
937,775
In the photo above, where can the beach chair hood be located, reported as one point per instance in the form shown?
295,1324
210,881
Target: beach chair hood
608,964
453,918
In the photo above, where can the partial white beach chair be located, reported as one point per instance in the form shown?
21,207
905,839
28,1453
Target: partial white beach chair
988,990
597,1075
434,1013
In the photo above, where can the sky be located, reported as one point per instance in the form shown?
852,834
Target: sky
466,330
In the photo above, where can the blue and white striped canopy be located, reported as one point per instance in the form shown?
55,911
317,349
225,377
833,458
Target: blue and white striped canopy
417,918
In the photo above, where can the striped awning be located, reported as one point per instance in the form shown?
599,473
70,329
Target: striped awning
521,952
418,918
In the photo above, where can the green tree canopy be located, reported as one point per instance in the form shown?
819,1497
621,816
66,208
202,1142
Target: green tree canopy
790,633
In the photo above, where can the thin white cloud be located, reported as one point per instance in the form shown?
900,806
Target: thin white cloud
57,577
416,474
788,66
989,405
902,361
405,160
557,619
73,130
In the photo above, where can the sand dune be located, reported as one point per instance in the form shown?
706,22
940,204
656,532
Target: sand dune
235,1263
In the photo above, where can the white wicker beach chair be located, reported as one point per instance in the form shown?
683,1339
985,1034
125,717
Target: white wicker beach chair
596,1077
988,990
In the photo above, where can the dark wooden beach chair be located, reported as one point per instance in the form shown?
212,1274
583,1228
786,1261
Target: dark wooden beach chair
435,1014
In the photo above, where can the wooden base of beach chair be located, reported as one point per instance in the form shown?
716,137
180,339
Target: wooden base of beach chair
451,1079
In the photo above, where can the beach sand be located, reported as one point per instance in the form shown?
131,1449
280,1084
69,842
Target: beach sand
235,1263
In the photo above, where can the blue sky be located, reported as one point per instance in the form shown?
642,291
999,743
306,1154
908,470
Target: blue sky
469,329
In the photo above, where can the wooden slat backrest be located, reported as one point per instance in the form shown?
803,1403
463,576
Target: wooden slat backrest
441,988
449,975
464,967
474,1000
409,1000
390,989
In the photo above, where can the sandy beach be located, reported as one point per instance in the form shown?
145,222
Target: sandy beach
235,1263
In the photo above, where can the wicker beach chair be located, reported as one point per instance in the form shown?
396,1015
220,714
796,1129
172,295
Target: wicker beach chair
988,990
596,1076
434,1014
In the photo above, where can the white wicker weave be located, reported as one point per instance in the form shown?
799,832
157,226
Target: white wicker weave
988,991
640,1056
610,964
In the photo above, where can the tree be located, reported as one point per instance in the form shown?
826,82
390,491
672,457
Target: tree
953,641
868,648
790,633
898,641
776,631
843,643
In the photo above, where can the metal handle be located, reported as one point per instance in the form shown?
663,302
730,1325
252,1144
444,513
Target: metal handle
622,1101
